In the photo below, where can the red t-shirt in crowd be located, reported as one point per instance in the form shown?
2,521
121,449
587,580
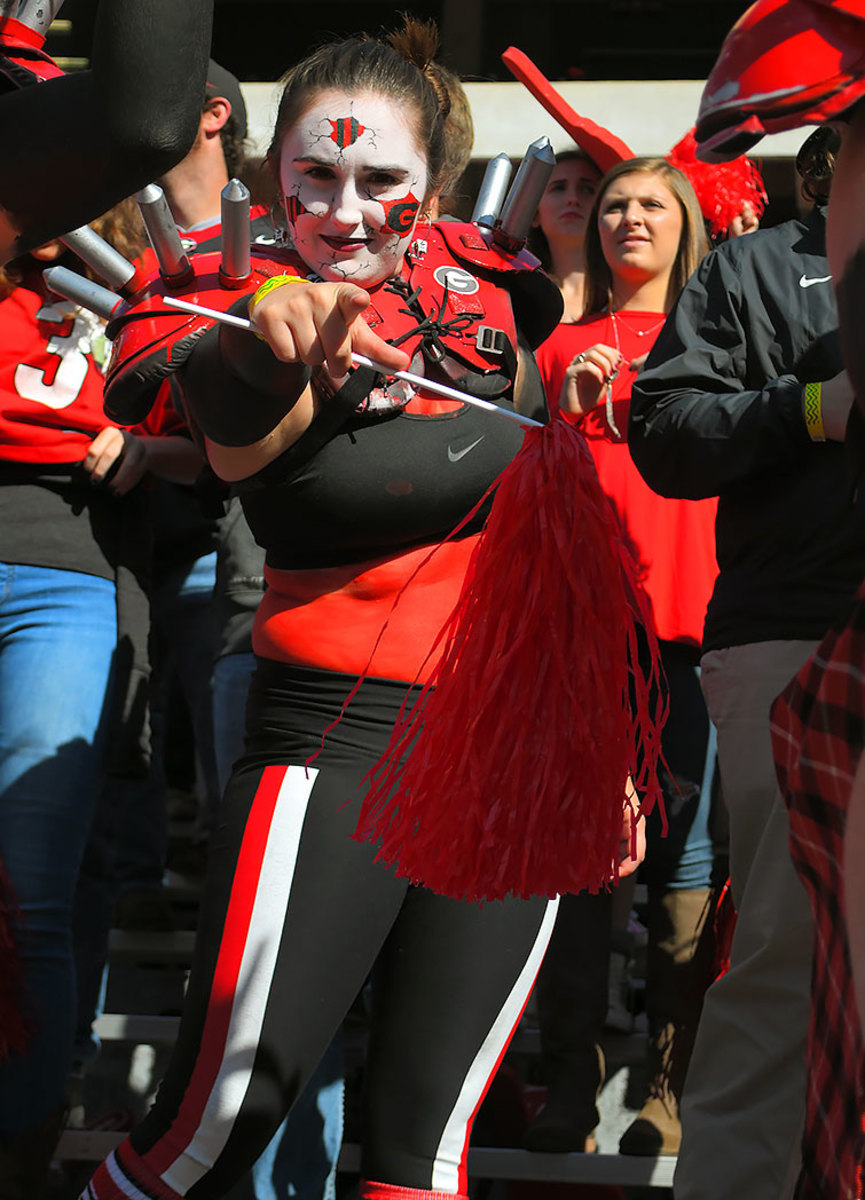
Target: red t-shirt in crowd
673,541
50,378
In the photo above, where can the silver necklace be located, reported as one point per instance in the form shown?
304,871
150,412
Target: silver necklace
640,333
608,388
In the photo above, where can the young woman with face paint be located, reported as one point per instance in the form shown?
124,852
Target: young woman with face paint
348,484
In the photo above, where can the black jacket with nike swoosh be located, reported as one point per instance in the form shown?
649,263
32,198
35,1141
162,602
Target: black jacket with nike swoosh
718,412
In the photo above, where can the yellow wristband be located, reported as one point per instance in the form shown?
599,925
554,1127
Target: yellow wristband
813,408
270,285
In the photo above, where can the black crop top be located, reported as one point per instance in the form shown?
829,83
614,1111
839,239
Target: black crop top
381,486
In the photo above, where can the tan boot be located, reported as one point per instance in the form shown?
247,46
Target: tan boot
678,973
656,1128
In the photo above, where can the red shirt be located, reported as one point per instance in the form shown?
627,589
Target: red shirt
673,541
50,379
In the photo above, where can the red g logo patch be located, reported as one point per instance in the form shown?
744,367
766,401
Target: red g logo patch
399,215
455,279
345,131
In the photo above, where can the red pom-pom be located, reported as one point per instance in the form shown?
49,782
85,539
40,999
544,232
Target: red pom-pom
722,189
508,774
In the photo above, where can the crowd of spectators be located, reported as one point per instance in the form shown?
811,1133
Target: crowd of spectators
703,368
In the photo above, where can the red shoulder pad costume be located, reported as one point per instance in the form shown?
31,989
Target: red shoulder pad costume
22,59
458,301
150,340
784,64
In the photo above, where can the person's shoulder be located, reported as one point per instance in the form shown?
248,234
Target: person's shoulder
23,298
776,239
766,259
571,330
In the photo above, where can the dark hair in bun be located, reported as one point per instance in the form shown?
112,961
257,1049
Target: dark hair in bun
399,66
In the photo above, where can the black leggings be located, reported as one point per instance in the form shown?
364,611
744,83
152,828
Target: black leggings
296,916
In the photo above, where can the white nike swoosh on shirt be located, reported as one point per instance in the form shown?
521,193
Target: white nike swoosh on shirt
805,282
456,455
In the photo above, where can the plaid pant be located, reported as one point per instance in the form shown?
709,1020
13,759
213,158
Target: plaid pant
818,731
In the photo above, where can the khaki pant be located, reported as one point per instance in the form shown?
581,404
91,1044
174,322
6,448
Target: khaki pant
744,1098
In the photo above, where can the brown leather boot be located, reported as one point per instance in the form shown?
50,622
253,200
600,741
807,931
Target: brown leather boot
678,972
656,1128
24,1160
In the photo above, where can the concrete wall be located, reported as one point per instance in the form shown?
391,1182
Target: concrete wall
650,116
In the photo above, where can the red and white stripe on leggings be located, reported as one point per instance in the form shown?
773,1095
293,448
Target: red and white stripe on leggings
260,896
449,1174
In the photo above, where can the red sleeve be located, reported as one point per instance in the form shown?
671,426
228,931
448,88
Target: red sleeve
163,420
50,383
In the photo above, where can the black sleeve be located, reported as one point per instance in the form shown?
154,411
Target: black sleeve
72,147
233,389
696,427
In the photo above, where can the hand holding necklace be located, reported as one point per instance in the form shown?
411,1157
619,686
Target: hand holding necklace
589,378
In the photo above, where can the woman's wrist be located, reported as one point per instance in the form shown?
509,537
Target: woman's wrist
271,285
235,389
251,360
812,410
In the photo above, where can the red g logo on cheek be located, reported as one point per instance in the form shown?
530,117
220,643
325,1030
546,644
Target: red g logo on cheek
399,215
294,209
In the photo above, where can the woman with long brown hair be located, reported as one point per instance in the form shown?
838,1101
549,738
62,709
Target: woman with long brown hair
644,238
559,229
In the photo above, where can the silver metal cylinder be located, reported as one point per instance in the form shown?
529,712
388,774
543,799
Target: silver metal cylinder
162,232
35,14
99,256
235,230
492,192
521,203
82,291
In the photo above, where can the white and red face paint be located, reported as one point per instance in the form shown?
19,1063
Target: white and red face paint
353,179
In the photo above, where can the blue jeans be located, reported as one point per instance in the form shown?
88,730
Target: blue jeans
685,857
58,632
182,641
129,837
301,1159
231,675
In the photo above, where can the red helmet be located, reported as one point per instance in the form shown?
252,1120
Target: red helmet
785,63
